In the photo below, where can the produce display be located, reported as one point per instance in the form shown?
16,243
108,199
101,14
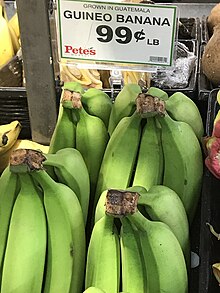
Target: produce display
108,207
99,79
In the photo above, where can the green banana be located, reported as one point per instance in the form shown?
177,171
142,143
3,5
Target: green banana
162,255
97,103
59,263
24,260
73,86
182,108
71,170
156,92
132,261
8,194
183,161
93,290
103,257
124,105
164,205
91,140
61,202
120,155
149,168
64,134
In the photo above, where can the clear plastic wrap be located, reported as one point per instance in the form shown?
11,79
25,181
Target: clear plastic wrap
178,75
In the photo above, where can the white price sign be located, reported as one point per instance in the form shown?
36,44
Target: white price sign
116,32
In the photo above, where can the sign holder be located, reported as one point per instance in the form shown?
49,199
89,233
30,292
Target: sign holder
116,35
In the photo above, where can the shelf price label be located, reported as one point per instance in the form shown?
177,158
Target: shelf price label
116,32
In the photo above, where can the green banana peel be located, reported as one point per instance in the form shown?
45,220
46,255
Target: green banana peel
73,86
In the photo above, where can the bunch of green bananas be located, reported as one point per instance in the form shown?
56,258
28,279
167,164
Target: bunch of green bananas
82,125
124,147
143,143
161,146
42,231
142,254
154,150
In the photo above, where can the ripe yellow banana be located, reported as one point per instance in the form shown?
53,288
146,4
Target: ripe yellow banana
20,144
8,135
14,39
74,70
6,46
13,21
30,144
88,74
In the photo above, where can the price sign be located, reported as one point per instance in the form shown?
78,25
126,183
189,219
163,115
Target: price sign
116,32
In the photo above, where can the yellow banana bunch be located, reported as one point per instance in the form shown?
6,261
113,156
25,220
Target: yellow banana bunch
88,78
6,46
9,36
136,77
9,141
13,22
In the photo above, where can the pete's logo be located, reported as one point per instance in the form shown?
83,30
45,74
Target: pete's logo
79,51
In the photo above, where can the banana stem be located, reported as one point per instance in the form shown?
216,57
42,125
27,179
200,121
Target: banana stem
25,181
144,199
138,220
43,179
217,235
52,160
